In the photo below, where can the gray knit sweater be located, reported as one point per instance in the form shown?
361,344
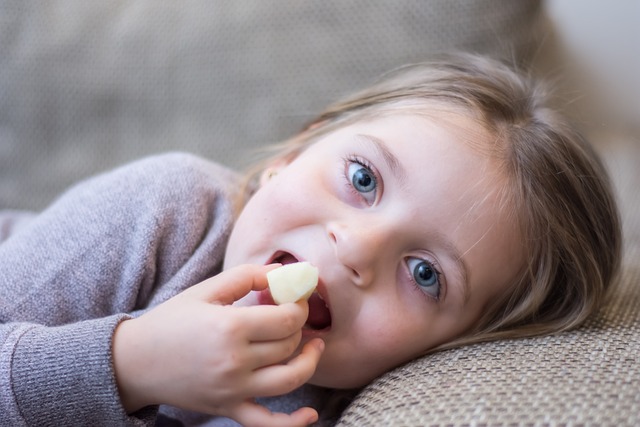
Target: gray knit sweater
109,248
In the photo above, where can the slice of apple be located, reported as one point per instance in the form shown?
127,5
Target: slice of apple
292,282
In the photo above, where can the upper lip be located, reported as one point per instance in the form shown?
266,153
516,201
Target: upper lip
281,254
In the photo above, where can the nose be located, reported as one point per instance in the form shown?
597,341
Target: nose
359,247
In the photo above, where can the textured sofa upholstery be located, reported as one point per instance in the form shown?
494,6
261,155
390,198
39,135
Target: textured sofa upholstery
85,86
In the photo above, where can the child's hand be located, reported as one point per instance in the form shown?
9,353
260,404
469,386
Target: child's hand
198,352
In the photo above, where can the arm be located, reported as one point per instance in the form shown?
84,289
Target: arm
58,374
118,243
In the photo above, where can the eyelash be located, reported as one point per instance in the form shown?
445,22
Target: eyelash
365,164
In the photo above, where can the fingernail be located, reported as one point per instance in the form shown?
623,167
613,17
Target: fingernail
320,345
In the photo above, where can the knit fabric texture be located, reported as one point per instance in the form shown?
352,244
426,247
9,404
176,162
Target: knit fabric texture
110,247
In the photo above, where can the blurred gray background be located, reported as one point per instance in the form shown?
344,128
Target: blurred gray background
87,85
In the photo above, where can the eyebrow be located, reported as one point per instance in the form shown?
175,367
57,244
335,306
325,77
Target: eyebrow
400,174
389,158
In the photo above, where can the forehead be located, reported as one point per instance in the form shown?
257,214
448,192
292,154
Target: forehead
429,137
443,158
462,123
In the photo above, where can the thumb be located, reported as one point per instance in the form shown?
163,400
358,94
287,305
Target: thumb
233,284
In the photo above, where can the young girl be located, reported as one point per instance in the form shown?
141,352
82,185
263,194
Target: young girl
445,205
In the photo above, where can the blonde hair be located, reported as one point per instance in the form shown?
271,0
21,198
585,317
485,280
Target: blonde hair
557,187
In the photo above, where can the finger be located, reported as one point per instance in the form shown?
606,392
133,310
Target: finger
267,353
252,414
233,284
274,322
281,379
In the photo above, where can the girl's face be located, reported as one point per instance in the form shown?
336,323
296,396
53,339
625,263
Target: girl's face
403,220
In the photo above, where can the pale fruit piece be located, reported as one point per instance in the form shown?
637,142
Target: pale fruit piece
292,282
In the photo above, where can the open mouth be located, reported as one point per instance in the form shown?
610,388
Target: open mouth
319,314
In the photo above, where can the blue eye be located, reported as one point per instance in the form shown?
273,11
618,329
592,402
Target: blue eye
363,180
425,276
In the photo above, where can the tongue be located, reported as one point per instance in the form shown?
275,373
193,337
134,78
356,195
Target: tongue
319,315
286,259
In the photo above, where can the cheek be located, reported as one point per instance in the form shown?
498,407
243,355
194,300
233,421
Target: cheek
278,207
299,196
386,335
379,340
250,232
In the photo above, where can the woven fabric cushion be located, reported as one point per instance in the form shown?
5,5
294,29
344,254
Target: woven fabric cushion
87,85
586,377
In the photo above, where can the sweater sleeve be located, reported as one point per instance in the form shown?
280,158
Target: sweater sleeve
110,247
